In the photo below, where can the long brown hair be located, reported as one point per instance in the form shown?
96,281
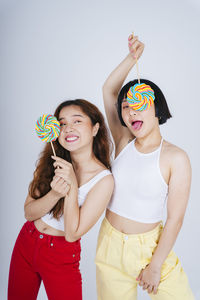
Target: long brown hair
102,148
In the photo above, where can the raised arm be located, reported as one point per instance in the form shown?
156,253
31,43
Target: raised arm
36,208
179,189
111,89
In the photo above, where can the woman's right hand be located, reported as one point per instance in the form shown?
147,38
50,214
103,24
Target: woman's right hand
60,186
136,47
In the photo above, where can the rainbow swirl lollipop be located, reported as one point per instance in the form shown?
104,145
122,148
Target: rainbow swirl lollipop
140,96
47,128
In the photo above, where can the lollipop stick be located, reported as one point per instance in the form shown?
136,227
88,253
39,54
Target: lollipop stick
137,66
54,153
137,71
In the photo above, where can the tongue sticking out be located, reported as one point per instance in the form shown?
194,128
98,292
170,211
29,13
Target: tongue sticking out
137,125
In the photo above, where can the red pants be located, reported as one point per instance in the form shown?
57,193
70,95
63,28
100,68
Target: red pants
38,256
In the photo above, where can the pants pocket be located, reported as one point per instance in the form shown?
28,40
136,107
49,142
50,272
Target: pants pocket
169,264
102,247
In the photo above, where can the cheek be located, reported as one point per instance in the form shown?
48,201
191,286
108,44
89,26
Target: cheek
125,114
86,132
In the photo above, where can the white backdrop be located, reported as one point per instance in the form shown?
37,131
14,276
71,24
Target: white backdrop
56,50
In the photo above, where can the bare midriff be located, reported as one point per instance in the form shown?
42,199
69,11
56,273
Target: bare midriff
45,228
128,226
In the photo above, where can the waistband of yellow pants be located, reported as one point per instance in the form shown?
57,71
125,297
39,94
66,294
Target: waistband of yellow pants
110,230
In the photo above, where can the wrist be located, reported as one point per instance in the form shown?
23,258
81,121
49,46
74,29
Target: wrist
155,265
131,58
55,195
74,184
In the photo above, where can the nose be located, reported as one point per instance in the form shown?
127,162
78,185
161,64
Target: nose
132,112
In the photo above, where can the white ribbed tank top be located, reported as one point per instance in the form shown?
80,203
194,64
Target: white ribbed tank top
140,191
82,194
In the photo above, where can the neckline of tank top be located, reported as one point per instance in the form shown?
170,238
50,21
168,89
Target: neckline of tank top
83,185
149,153
140,153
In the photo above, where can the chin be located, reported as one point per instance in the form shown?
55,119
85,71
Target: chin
72,148
138,134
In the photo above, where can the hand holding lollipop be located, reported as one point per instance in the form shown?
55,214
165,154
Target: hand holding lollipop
48,129
140,96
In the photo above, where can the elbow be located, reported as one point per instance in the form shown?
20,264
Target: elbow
71,238
27,216
178,221
105,89
109,90
105,86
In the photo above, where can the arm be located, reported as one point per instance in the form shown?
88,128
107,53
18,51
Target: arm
77,220
112,88
179,189
36,208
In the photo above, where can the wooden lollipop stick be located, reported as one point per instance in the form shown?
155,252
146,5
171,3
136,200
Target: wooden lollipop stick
54,153
137,68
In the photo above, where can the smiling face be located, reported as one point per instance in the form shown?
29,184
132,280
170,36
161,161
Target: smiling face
140,123
77,130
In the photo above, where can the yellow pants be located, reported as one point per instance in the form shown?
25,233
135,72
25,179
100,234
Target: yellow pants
121,257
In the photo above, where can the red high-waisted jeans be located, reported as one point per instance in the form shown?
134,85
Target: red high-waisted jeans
38,256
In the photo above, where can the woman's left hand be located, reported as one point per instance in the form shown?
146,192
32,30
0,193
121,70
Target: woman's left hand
149,279
64,170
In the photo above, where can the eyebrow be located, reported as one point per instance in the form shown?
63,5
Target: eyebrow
60,119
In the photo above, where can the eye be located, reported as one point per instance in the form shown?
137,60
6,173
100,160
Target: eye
62,124
125,106
77,121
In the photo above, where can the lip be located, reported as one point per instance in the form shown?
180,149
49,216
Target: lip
71,138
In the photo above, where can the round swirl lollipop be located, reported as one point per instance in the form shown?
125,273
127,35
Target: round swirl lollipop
140,96
48,129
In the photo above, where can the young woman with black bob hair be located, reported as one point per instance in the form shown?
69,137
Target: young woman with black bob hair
149,172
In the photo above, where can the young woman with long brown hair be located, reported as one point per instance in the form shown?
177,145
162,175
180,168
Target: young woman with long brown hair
67,196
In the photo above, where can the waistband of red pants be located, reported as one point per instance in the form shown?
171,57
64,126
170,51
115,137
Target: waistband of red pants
29,227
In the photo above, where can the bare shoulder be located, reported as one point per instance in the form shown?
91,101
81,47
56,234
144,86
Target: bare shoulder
175,154
104,186
107,181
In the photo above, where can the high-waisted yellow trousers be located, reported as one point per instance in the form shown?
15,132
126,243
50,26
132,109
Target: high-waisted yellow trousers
120,258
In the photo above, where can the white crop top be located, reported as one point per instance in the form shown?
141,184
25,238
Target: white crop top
140,191
82,194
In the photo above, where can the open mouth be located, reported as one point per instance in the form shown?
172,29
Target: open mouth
71,139
136,125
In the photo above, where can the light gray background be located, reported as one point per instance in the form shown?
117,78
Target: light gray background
56,50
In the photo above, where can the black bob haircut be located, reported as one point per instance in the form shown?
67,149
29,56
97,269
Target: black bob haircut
161,107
